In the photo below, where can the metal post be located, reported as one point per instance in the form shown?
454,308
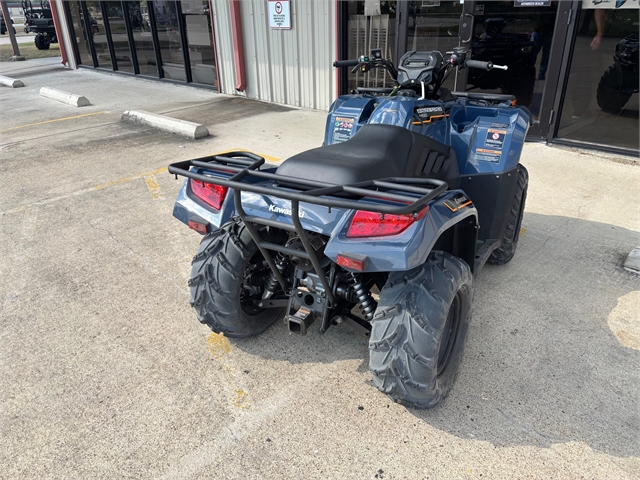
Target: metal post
12,36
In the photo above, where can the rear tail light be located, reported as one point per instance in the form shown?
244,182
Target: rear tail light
373,224
210,194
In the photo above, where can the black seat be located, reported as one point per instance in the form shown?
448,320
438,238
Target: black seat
375,151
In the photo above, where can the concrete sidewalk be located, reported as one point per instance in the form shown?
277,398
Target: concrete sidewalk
106,373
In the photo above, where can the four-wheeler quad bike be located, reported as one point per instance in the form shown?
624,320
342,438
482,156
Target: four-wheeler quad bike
620,80
384,227
39,20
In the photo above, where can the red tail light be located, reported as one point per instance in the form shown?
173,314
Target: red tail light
372,224
212,195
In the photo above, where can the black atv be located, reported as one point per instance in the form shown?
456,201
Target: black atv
39,20
515,50
3,25
620,80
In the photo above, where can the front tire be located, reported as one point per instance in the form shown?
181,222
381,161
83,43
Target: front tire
507,249
219,291
419,331
610,97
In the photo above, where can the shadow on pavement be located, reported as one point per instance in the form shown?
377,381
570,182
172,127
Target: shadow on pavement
542,364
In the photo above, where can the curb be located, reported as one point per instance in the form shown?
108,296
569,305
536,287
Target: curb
632,263
11,82
64,97
168,124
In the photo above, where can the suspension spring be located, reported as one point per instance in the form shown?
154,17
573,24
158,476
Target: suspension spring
365,300
282,262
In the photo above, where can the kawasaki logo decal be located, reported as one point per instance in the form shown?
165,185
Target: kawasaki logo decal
284,211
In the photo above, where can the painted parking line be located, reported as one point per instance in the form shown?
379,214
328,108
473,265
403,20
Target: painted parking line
153,186
149,178
54,120
86,190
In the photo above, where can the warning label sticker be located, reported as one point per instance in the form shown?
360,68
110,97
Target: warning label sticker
342,129
484,155
495,138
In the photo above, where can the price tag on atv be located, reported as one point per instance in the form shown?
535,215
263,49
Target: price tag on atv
495,138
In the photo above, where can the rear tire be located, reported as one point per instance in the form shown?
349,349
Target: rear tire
419,331
42,42
507,250
218,292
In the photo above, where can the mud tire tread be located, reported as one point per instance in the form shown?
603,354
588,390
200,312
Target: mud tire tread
408,325
507,250
216,283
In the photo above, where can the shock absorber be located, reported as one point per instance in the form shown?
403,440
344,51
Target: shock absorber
365,300
271,285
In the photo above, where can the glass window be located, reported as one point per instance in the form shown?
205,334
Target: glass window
434,26
141,30
601,99
119,36
166,15
78,29
99,34
518,37
372,25
200,39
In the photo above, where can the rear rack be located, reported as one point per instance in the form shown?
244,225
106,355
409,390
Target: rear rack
408,195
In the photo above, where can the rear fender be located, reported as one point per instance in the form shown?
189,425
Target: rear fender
446,228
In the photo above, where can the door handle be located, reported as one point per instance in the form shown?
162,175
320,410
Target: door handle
470,26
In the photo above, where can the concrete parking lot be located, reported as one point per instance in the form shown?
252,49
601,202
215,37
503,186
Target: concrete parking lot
106,373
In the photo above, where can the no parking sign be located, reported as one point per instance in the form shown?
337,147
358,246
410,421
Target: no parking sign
279,14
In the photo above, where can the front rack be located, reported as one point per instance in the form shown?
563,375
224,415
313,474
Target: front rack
402,196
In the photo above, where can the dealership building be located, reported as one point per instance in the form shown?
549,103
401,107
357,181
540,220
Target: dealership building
572,63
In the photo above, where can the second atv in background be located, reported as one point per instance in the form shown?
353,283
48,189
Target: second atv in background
39,20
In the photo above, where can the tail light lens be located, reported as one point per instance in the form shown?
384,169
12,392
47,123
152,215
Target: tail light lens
210,194
372,224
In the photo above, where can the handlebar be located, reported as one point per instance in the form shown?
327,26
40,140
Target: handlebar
478,64
483,65
346,63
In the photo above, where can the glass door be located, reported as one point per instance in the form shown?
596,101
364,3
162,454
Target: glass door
370,25
434,25
519,37
600,104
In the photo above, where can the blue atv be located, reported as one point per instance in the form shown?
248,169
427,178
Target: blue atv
385,226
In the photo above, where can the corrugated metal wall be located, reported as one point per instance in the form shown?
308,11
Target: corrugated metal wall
291,67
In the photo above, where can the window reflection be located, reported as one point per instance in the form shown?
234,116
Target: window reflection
601,100
199,37
166,15
119,36
372,25
141,30
434,26
519,38
99,34
78,28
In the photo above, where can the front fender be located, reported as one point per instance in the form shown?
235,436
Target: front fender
408,249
